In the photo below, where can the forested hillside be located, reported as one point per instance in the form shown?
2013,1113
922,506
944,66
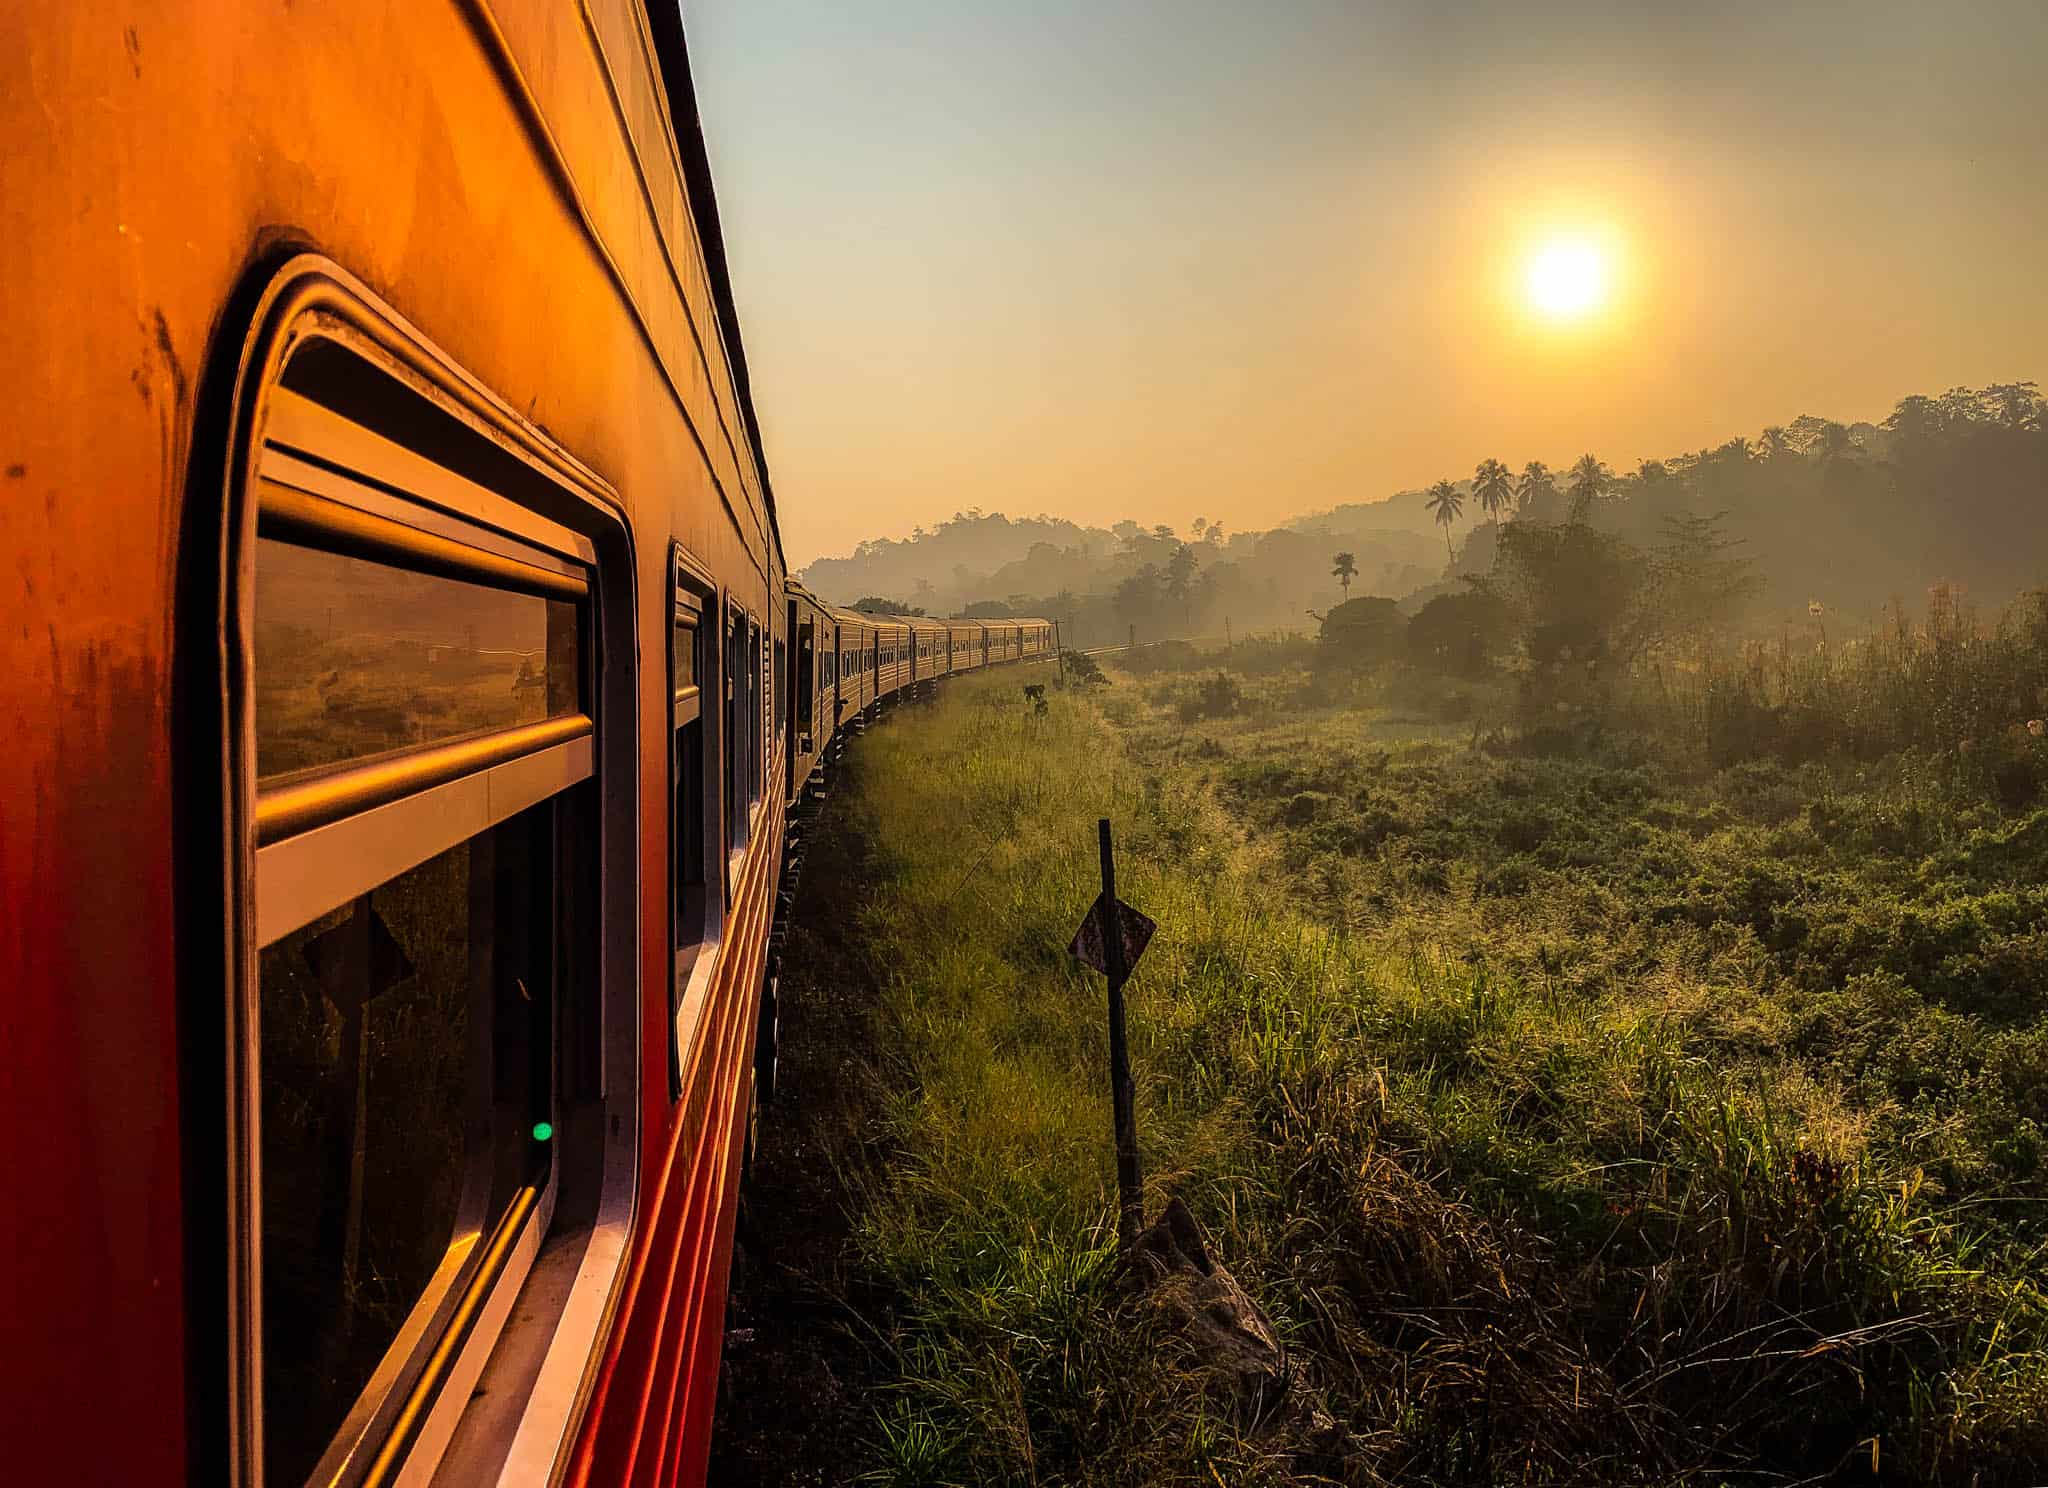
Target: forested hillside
1950,488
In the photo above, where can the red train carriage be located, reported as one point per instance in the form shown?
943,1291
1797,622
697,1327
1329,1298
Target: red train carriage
404,693
394,782
856,665
813,682
929,642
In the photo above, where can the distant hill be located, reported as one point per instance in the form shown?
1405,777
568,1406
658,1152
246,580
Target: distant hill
1947,488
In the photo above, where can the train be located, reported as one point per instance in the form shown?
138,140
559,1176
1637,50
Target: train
406,699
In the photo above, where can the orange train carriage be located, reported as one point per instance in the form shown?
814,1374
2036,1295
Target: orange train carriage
404,697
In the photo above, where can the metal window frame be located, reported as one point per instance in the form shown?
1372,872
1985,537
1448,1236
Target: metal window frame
308,302
693,959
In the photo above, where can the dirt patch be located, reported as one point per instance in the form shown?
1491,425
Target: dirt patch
794,1389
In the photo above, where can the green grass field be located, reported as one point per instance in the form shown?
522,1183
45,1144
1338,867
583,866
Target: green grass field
1595,1117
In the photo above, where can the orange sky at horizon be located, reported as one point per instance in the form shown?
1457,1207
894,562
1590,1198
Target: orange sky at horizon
1091,262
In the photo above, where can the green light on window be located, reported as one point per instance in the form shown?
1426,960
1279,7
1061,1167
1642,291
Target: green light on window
542,1131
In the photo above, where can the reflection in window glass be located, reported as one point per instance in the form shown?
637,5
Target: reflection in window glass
404,1048
356,658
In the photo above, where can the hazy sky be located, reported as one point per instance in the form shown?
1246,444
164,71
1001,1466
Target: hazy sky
1102,259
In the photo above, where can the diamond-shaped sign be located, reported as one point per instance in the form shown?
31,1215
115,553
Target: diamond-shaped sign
1137,934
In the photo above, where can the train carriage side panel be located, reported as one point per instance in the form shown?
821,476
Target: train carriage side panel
511,232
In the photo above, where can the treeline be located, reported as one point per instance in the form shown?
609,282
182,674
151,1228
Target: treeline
1948,488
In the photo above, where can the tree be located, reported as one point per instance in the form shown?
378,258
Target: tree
1215,534
1916,421
1443,499
1201,525
1696,578
1589,480
1362,632
1834,442
1180,576
1492,487
2016,405
874,604
1535,491
1773,444
1460,634
1344,568
1137,597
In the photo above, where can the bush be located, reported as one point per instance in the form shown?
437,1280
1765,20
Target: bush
1459,635
1081,669
1362,633
1218,697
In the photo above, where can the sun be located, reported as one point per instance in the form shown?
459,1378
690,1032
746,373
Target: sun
1567,279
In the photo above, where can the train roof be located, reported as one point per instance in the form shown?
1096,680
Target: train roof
797,587
862,617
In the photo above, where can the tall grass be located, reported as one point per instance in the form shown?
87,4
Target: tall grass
1946,683
1514,1225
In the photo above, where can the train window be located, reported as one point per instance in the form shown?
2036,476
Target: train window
806,674
756,716
736,730
405,1057
423,755
361,658
778,679
689,665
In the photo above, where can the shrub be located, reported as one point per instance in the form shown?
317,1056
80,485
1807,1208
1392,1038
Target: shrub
1218,697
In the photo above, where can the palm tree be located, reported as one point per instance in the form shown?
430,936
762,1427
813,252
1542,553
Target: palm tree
1537,484
1449,505
1492,487
1589,479
1344,569
1772,443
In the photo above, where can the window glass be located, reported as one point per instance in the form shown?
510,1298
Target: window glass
356,658
691,804
404,1056
736,730
756,724
779,682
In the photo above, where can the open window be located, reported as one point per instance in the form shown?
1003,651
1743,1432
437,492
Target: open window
421,1011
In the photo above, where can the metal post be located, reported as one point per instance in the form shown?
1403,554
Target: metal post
1059,654
1123,1092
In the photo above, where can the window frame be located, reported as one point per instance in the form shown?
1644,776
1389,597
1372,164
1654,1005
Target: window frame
695,938
333,384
